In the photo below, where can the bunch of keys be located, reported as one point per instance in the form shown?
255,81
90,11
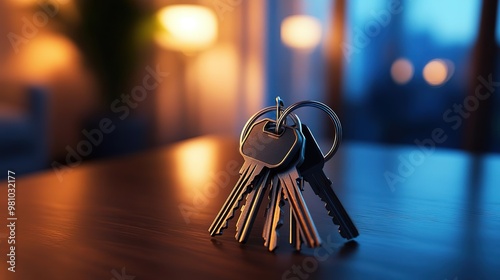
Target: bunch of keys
278,159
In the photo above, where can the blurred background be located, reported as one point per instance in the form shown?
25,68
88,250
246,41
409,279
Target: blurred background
88,79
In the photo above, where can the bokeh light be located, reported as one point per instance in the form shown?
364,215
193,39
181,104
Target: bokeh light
438,72
186,27
35,3
301,32
45,56
402,71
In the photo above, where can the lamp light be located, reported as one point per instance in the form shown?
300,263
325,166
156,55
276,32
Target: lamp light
301,32
186,28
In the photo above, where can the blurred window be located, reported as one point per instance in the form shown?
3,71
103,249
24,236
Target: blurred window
405,65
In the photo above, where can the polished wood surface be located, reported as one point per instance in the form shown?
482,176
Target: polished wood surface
149,215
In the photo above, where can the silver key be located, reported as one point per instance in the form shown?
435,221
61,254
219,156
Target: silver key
292,185
251,208
261,151
270,206
300,220
283,145
273,216
296,236
249,171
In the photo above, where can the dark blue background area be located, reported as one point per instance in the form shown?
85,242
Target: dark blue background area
374,107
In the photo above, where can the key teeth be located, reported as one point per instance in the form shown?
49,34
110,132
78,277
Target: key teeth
327,182
269,206
330,213
282,212
343,234
278,226
242,208
280,220
231,215
221,230
336,222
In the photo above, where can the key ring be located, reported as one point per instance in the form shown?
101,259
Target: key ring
279,109
262,112
322,106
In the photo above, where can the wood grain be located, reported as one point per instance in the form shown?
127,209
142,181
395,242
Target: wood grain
149,213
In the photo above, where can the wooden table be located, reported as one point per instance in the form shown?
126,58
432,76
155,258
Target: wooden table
147,216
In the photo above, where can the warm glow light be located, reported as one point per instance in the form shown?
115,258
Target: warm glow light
23,3
34,3
45,56
402,71
219,87
186,27
437,72
301,32
195,160
223,56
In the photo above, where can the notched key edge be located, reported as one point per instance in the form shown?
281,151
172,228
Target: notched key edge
349,231
230,206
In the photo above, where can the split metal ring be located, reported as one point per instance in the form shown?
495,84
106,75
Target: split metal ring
322,106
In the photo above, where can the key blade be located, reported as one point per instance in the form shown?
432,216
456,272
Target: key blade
296,235
249,173
273,218
270,207
251,208
296,200
322,187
